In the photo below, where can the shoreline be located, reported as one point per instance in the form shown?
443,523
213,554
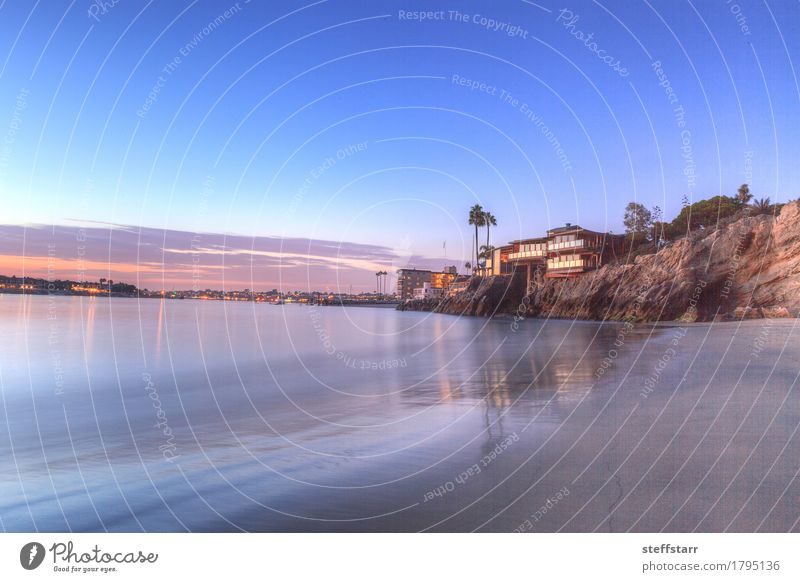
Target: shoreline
509,317
384,304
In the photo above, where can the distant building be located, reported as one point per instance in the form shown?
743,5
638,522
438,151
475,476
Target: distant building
428,292
443,279
572,250
410,279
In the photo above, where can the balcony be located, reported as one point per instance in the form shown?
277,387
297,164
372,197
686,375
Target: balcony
537,254
568,245
553,265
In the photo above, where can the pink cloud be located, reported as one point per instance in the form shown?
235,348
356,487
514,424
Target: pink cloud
156,259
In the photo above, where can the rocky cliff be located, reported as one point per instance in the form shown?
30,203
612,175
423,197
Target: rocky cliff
483,297
748,267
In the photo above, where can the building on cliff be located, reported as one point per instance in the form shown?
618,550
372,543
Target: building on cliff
566,251
572,250
530,256
498,263
410,279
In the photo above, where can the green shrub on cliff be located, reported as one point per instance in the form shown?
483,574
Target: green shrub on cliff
703,214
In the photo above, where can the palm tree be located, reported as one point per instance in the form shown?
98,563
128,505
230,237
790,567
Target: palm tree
486,253
490,221
468,266
384,274
762,205
478,218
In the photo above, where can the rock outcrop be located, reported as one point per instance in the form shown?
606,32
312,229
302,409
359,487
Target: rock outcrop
748,267
484,296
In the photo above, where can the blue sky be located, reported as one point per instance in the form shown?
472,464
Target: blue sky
356,122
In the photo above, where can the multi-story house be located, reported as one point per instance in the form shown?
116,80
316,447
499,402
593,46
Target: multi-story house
572,250
526,255
566,251
498,263
530,256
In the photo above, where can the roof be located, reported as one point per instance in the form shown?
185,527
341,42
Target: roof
566,228
570,228
525,241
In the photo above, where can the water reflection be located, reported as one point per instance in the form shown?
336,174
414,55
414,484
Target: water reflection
276,414
88,327
159,331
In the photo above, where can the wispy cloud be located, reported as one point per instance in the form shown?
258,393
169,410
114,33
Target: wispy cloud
158,258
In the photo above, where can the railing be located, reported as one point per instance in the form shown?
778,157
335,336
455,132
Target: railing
570,244
573,264
527,255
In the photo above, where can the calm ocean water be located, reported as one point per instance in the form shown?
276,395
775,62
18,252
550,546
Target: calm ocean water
125,415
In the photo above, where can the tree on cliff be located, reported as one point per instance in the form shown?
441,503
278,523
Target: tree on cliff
762,206
490,221
743,194
486,254
704,214
637,220
477,217
657,216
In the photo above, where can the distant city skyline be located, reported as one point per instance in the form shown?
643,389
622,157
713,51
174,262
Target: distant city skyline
378,125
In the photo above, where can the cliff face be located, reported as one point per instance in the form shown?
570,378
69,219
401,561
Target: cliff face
482,297
748,268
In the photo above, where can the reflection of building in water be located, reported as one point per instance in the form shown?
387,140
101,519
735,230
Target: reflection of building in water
569,365
159,330
88,332
541,371
496,401
551,362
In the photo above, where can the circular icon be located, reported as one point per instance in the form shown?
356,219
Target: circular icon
31,555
